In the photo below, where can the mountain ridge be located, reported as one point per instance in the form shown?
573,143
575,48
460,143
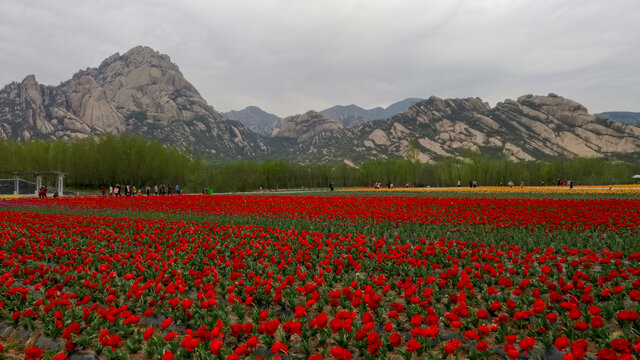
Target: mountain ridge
143,92
533,127
351,115
627,117
256,119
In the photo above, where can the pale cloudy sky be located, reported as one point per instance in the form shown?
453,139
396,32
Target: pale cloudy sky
290,56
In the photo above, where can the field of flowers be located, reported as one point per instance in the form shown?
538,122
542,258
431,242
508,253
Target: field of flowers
319,277
543,191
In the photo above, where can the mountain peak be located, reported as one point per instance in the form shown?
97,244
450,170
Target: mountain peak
141,49
29,79
144,54
140,56
255,119
305,126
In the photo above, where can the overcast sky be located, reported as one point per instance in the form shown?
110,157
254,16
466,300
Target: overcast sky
291,56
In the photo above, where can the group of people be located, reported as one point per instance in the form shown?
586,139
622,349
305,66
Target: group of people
42,192
130,190
378,184
565,182
472,183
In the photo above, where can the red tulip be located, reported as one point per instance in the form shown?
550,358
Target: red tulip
147,334
413,345
452,346
279,347
482,346
395,339
166,323
621,345
340,353
629,316
252,341
527,344
170,336
215,346
33,353
607,354
561,343
300,312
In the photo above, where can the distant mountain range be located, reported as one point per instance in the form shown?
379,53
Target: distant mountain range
255,119
264,123
627,117
143,92
352,115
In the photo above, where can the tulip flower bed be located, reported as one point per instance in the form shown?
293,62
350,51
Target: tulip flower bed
549,214
234,277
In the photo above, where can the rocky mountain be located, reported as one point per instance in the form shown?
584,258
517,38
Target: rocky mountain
531,127
264,123
143,92
140,92
351,115
302,127
256,119
627,117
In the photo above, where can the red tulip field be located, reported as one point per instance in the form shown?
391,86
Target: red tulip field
319,277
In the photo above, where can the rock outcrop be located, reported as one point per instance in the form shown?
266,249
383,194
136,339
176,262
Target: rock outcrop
142,92
305,126
529,128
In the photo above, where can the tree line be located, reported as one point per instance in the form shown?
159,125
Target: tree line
130,159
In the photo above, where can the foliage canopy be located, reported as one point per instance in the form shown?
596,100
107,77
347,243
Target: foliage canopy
130,159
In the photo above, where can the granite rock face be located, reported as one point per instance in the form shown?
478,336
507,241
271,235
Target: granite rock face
305,126
141,91
529,128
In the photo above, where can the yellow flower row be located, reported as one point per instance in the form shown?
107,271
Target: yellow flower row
10,196
583,189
